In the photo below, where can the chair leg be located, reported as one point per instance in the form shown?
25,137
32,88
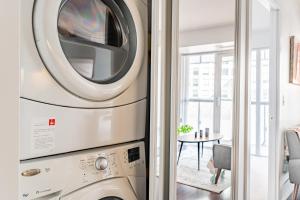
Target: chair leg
218,175
198,156
295,192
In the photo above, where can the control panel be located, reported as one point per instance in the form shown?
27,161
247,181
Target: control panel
69,172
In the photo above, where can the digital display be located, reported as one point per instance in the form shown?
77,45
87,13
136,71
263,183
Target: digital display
133,154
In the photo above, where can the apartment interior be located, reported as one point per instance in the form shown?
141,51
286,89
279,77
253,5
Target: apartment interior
206,70
202,163
206,74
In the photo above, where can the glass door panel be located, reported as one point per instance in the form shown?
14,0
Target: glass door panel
208,92
192,116
260,102
227,70
261,163
206,115
198,91
259,123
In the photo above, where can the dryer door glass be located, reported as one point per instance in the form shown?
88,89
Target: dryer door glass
111,198
98,37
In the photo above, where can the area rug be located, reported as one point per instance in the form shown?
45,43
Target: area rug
202,180
188,174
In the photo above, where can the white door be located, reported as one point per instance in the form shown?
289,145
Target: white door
93,48
263,169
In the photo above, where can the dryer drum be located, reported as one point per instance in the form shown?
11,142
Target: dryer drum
98,38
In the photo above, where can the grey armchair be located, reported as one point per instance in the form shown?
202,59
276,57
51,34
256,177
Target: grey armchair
222,158
293,142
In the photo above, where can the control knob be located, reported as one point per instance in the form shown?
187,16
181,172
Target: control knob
101,163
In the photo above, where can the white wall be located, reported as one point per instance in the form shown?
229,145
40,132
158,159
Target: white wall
212,35
289,93
9,87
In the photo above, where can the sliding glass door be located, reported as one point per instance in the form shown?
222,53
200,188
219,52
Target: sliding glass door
260,101
207,91
198,90
263,170
227,73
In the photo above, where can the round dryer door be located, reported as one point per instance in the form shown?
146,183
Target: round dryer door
93,48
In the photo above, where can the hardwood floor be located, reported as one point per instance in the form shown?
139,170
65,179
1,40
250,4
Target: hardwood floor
185,192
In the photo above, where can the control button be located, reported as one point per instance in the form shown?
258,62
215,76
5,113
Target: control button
101,163
31,172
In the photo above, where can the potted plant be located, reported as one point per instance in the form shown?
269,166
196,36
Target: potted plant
184,129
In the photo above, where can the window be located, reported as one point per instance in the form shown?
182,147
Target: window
195,93
200,107
195,82
225,71
194,59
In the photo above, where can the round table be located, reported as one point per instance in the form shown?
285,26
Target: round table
190,138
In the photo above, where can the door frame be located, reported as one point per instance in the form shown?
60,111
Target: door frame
241,101
274,106
164,81
167,31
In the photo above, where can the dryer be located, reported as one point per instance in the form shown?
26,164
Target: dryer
116,173
83,74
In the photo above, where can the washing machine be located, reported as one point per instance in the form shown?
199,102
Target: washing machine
116,173
83,74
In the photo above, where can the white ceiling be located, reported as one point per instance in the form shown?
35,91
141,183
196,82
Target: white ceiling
201,14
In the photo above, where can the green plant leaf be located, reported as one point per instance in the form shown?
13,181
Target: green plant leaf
185,128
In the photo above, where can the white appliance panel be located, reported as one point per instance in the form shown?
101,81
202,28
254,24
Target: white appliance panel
38,84
48,40
48,129
69,175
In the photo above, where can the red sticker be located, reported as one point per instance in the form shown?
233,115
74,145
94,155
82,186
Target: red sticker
52,122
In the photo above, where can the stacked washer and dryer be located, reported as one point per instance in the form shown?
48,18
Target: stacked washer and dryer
83,99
